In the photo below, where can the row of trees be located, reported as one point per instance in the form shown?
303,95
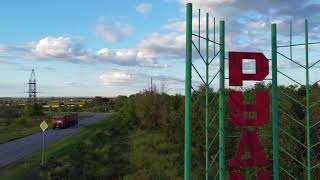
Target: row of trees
9,114
154,111
149,128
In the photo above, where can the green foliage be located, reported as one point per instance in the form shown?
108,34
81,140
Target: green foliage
97,156
18,121
9,113
151,110
119,101
127,113
153,156
29,168
97,104
175,119
144,139
32,110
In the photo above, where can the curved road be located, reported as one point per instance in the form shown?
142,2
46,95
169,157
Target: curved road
19,148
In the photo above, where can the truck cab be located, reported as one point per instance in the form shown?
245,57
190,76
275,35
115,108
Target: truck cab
64,120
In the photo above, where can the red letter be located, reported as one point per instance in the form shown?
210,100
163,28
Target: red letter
235,67
261,108
261,175
249,140
236,175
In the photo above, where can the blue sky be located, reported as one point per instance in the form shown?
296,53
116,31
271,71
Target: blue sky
107,48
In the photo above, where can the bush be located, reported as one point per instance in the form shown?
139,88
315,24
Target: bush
32,110
153,156
9,113
151,110
98,156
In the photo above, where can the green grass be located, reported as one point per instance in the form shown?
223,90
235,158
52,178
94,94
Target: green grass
19,127
106,150
29,167
153,156
9,134
17,130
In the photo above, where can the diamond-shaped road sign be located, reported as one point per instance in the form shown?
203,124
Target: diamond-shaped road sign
43,125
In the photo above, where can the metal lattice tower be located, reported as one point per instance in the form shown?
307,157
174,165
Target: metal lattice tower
32,87
295,153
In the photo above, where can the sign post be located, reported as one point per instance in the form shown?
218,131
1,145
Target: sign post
43,127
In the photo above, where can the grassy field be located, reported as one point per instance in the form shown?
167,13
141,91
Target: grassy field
20,127
27,126
29,167
104,151
11,133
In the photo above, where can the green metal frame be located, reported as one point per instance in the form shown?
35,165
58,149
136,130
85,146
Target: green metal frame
187,153
308,102
307,162
278,168
188,90
275,105
222,103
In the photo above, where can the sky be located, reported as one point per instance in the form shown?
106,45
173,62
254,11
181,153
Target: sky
110,48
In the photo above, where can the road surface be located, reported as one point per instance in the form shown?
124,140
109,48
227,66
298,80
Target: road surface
19,148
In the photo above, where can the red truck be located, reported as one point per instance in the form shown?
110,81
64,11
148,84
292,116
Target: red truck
64,120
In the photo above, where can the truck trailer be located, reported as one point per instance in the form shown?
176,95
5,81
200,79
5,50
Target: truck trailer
64,120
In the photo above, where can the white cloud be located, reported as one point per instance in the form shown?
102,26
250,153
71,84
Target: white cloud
163,45
48,48
128,57
58,47
136,80
5,48
248,23
147,52
114,33
115,77
144,8
257,27
72,83
207,3
243,6
180,25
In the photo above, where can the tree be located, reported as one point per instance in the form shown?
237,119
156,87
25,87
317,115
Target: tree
9,113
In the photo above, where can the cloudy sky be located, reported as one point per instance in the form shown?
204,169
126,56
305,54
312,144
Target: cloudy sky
107,48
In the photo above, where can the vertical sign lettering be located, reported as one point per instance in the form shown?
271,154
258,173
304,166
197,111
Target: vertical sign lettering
249,140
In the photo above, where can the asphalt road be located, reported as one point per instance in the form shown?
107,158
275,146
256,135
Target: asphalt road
19,148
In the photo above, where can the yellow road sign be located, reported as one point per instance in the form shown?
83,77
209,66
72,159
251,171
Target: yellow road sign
43,125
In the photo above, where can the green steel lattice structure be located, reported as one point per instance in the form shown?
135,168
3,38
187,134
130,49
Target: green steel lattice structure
278,168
